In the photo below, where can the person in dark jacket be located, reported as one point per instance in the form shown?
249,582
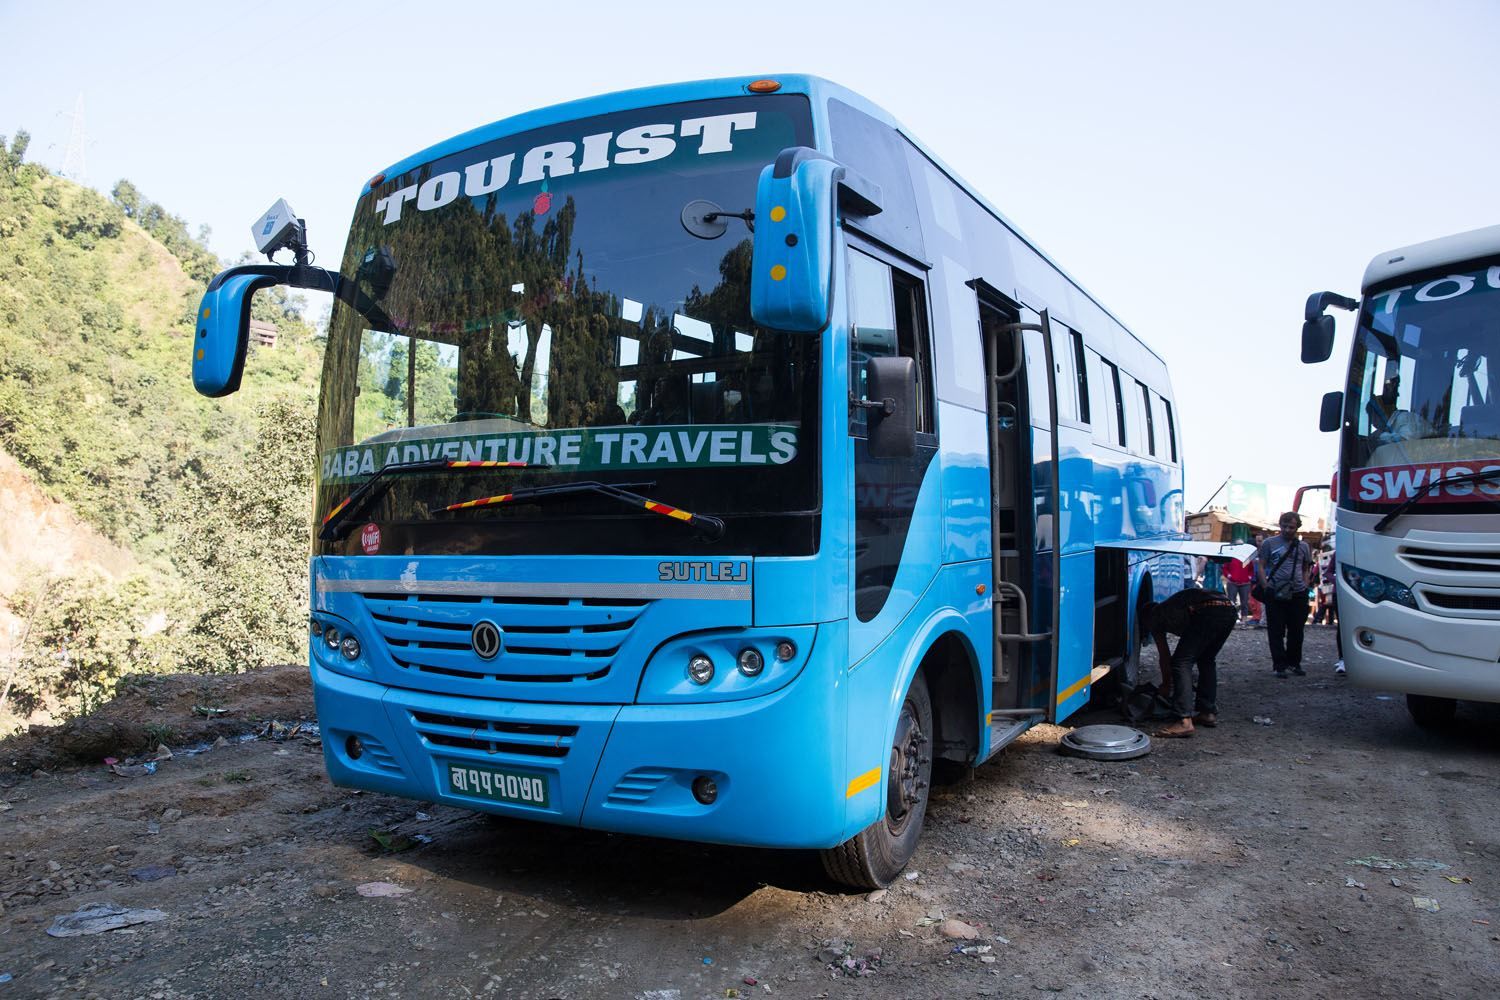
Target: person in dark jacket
1203,620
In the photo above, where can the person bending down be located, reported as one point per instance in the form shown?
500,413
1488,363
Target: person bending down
1203,620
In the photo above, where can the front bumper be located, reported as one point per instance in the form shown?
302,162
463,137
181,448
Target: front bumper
776,759
1418,653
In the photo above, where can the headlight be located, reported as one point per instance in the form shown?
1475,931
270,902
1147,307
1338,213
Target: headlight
349,647
700,669
314,627
751,662
1376,588
332,637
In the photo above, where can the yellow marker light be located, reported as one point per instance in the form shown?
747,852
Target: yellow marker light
205,312
764,87
200,354
778,272
777,214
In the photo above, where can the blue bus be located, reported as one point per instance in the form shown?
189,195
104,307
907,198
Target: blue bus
708,461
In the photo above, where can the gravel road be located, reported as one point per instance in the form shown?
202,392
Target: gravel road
1217,866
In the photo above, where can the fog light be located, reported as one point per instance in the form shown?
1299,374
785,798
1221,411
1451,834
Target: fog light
785,650
705,789
751,662
332,637
701,669
349,647
1365,637
354,748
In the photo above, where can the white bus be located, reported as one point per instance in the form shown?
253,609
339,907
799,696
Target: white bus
1418,483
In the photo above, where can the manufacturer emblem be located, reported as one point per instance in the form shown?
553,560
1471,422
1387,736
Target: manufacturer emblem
486,640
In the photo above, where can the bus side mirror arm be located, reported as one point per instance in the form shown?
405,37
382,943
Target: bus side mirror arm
1317,328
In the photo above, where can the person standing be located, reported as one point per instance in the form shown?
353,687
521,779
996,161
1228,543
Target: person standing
1284,570
1240,576
1203,619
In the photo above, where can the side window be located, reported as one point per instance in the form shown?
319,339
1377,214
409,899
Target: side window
1067,380
888,315
1145,405
1080,374
1171,427
1112,404
1163,423
1130,403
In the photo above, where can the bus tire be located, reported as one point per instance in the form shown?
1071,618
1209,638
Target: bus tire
872,858
1431,713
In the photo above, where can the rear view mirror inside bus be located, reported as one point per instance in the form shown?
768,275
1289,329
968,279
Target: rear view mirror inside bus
892,384
791,279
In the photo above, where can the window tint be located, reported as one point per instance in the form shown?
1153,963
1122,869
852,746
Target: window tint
1080,373
1145,405
889,320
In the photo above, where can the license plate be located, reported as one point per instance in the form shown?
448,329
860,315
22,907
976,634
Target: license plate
499,785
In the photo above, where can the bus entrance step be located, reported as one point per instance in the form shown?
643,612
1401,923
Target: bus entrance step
1005,728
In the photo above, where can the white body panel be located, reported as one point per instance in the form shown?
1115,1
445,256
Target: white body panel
1449,646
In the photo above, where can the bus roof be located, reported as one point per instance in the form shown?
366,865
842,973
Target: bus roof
816,88
1434,253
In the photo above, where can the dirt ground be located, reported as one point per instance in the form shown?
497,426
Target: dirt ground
1218,866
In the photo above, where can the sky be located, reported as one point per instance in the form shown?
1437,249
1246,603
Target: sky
1200,168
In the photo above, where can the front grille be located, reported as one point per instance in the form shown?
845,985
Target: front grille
546,640
526,739
1480,602
1466,560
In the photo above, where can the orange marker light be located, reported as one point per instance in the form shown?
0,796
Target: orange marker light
376,179
764,87
778,213
778,272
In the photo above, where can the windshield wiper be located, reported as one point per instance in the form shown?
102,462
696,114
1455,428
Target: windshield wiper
372,489
1432,484
712,528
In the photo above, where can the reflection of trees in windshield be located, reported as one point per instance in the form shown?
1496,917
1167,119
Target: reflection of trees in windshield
538,340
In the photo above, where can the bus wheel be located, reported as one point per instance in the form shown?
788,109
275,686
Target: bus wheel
1430,713
874,857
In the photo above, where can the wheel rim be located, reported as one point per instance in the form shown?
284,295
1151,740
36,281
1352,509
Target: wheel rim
905,785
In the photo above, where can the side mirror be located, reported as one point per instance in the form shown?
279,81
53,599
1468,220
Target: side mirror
1317,328
1317,339
791,277
222,332
1331,416
892,385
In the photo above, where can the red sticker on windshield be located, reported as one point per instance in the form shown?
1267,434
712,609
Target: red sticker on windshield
542,202
369,539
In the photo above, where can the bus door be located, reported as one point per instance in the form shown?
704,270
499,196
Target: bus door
888,318
1023,501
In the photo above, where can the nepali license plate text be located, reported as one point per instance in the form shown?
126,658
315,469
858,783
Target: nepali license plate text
502,786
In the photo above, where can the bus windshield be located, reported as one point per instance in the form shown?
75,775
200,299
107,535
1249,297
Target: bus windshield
1421,392
540,302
